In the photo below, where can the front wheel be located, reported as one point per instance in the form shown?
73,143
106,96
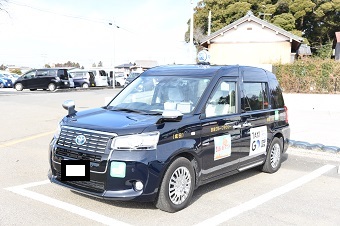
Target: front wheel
2,85
273,160
51,87
85,85
19,87
177,186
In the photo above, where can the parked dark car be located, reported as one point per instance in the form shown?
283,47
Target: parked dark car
5,82
47,78
82,78
197,124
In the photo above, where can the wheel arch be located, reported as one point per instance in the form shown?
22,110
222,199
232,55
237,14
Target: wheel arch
191,156
279,135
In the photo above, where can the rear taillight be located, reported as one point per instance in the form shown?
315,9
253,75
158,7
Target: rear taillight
286,114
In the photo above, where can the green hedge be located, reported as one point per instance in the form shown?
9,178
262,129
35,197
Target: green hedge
309,75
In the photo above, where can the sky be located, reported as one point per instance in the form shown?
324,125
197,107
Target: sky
39,32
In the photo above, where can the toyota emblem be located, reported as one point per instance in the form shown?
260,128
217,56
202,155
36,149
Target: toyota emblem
80,139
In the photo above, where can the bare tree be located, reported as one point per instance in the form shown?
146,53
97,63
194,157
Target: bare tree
2,6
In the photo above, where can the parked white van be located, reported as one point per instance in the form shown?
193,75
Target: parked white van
100,76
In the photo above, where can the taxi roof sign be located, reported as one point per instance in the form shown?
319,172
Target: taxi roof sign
203,56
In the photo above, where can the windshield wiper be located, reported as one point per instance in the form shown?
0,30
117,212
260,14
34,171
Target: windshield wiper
126,110
153,113
134,111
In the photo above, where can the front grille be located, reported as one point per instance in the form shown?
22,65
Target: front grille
96,141
60,152
92,185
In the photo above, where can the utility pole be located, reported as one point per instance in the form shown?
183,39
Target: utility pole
192,47
114,51
209,23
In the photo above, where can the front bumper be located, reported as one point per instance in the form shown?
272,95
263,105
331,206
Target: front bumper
140,166
90,187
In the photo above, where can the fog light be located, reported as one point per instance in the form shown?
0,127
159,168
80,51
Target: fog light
138,186
118,169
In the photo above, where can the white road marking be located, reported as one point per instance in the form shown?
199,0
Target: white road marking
251,204
29,185
63,205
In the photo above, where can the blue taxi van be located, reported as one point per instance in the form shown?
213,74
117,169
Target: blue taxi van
191,125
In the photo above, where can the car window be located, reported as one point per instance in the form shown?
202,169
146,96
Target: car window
78,75
276,97
255,96
102,73
29,75
222,100
52,72
42,72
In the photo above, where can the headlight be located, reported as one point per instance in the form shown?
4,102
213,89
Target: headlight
57,132
143,141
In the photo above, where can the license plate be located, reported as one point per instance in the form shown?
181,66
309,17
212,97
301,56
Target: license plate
75,170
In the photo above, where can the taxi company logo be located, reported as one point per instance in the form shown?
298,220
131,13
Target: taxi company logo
80,139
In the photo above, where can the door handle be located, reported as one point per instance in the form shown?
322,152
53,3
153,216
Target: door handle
238,126
246,124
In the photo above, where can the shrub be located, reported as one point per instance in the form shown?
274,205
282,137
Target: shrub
309,75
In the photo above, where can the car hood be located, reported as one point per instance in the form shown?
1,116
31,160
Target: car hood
119,122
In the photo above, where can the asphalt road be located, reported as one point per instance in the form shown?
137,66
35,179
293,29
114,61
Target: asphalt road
305,191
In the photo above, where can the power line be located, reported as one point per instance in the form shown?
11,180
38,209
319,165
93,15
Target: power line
68,15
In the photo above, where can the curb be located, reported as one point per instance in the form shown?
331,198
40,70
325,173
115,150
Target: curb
308,146
86,89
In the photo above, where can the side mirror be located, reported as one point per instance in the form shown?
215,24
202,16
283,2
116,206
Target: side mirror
171,116
70,106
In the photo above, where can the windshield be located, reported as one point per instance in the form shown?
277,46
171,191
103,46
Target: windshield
159,93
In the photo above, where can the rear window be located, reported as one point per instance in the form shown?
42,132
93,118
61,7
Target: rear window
276,97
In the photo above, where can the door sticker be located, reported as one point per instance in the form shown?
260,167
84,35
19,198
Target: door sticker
258,140
222,147
277,115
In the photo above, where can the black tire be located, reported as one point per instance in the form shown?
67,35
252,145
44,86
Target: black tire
181,173
52,87
274,156
19,87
